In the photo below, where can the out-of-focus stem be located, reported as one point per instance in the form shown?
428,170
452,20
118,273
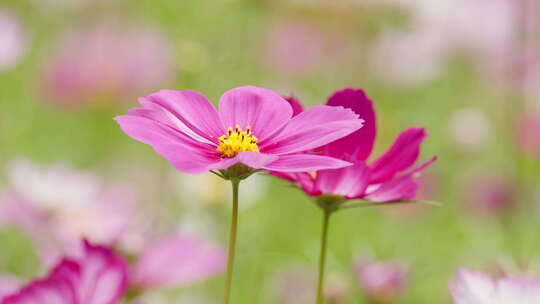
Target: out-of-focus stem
322,258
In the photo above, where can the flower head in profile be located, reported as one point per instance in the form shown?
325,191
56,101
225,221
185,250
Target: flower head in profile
472,287
97,276
388,178
253,127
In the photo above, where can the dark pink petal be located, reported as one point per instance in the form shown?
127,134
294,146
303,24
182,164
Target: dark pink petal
296,105
358,145
191,112
400,156
103,276
57,288
177,261
398,189
304,180
313,128
350,182
181,151
265,111
305,163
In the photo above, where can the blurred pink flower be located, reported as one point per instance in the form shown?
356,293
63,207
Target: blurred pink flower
489,193
57,205
297,48
254,127
107,62
177,260
528,135
295,285
472,287
389,178
382,282
97,276
13,40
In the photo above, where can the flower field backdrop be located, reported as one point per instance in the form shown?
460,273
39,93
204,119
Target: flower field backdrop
467,71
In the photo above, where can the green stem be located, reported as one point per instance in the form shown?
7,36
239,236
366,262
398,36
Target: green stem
322,259
232,242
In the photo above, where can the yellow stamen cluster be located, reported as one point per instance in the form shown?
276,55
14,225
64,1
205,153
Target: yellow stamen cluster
237,140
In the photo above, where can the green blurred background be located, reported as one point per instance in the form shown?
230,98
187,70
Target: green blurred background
309,49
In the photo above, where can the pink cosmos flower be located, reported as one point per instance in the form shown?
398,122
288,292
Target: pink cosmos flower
8,285
106,62
254,127
471,287
177,260
97,276
382,282
56,205
388,178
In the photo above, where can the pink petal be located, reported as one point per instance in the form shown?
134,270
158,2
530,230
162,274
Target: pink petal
358,145
253,160
192,112
57,288
176,261
399,157
8,285
397,189
103,276
313,128
182,152
349,182
305,163
296,105
304,180
265,111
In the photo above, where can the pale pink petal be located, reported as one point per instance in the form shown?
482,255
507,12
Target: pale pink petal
8,285
253,160
349,182
103,276
265,111
182,152
473,288
305,163
399,157
177,261
313,128
358,145
191,112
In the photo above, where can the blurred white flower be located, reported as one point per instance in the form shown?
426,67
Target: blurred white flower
13,40
469,128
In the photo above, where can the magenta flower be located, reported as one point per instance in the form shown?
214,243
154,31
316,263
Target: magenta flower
254,126
472,287
382,282
98,276
177,260
388,178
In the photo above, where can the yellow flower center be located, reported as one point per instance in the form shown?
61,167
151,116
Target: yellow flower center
237,140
